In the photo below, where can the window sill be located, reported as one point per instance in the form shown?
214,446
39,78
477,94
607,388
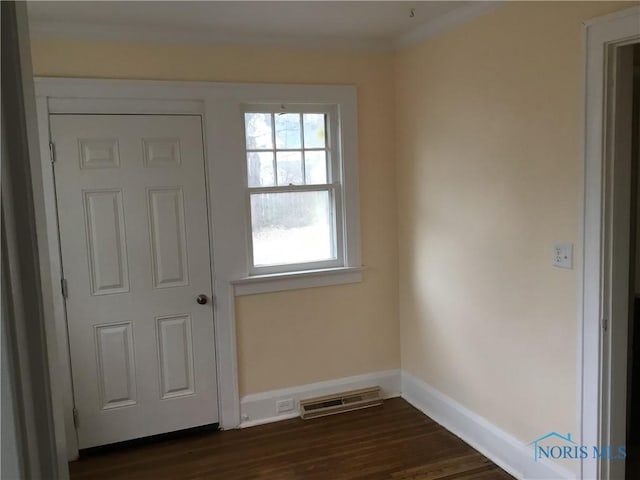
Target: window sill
278,282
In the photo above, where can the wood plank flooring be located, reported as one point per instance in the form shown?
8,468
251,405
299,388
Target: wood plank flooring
394,441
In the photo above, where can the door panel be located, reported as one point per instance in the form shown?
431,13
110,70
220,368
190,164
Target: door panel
116,369
134,238
166,220
106,244
175,346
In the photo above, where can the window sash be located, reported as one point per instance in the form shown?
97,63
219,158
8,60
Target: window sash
312,187
274,150
334,184
329,163
335,195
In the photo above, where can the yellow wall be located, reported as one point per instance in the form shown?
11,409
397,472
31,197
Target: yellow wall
487,169
488,142
295,337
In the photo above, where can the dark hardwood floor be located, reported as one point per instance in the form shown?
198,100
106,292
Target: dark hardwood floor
394,442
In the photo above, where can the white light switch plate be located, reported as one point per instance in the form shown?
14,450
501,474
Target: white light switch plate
563,255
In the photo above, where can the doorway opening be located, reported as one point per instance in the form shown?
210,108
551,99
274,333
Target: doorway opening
609,226
633,343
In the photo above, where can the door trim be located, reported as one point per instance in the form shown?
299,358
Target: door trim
217,104
74,96
602,37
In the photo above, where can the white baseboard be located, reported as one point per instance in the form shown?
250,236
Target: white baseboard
497,445
260,408
500,447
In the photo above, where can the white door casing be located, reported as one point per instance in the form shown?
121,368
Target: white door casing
217,104
601,322
134,240
617,221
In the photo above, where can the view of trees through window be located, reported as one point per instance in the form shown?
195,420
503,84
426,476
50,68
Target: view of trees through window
290,188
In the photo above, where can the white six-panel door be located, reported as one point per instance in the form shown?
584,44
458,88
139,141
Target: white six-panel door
134,239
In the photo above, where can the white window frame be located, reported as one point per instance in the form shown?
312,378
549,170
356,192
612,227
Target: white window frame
341,102
334,185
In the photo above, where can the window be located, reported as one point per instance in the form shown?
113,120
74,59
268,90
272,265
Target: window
286,165
294,184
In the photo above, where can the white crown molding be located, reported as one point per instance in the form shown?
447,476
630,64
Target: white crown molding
446,22
128,33
131,33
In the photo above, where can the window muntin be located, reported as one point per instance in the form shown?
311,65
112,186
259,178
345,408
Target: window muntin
294,188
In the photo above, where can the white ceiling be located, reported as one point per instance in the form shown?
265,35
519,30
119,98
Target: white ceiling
377,25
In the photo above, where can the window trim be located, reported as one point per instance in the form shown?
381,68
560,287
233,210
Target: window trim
334,185
308,98
230,220
295,280
219,106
